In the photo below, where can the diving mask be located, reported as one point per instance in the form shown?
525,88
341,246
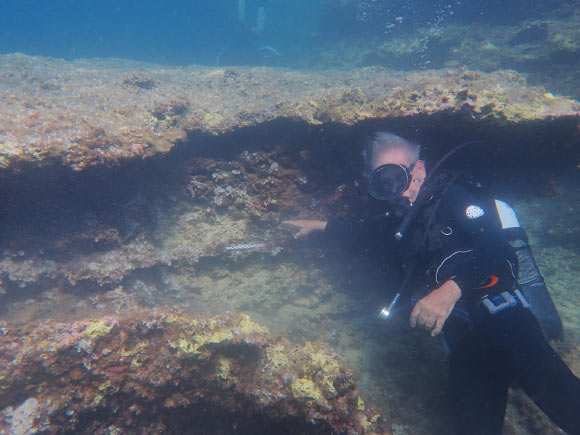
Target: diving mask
389,181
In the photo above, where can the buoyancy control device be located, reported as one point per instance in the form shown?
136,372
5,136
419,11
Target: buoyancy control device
530,280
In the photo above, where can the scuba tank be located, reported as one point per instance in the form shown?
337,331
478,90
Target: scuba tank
530,280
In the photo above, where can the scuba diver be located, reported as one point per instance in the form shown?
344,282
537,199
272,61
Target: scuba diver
480,290
248,46
260,15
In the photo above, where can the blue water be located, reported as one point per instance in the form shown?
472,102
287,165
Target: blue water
176,32
302,291
252,32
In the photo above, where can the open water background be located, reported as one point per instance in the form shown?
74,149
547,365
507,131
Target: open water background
184,32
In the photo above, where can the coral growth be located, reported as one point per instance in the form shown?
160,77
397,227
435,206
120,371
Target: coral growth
90,113
256,185
155,372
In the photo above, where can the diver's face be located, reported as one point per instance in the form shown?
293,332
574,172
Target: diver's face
399,156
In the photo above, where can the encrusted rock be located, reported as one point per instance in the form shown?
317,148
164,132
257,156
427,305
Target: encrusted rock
158,371
100,112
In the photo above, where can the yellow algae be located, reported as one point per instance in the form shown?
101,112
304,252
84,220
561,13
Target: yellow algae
277,356
172,318
323,365
105,386
97,329
328,365
365,424
216,337
148,117
213,119
248,326
98,399
306,389
186,345
223,367
360,404
135,349
191,344
329,384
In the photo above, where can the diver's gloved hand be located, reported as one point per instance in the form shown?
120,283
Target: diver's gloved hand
432,311
306,226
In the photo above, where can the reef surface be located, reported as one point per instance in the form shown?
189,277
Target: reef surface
142,213
160,372
92,112
541,42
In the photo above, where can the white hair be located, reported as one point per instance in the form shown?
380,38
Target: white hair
384,141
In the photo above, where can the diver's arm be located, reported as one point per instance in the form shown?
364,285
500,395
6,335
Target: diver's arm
357,231
379,227
432,311
306,226
460,272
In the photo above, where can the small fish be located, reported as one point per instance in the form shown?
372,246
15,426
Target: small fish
268,50
245,247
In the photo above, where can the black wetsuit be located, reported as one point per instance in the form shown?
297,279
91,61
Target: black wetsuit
458,235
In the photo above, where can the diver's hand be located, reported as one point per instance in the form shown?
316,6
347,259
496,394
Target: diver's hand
306,226
432,311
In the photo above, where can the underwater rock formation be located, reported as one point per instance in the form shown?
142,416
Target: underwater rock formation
89,113
161,372
546,50
127,186
222,205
